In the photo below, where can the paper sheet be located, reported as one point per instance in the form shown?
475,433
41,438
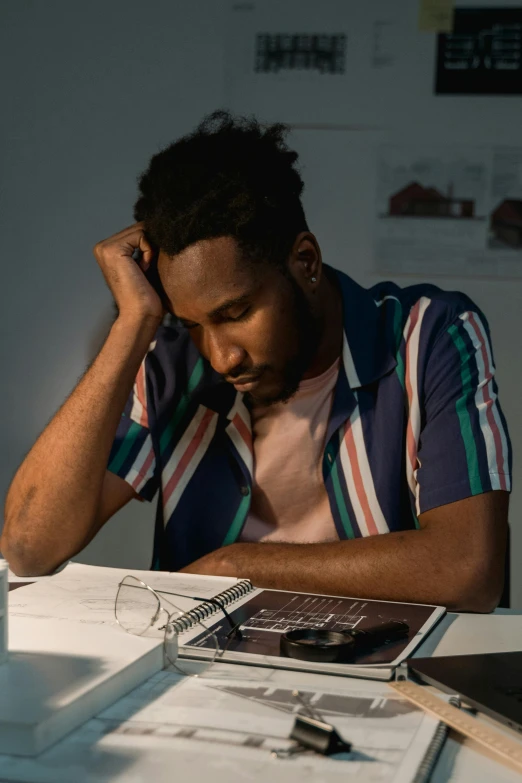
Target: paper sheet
205,728
87,594
449,210
483,53
436,15
326,64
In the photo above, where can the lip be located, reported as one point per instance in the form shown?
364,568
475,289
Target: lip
247,385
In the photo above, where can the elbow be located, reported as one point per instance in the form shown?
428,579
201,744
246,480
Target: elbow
480,602
23,559
485,600
18,544
479,590
29,550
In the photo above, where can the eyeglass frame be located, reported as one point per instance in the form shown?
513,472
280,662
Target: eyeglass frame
233,634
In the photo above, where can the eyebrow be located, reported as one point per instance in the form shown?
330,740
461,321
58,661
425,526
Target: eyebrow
238,300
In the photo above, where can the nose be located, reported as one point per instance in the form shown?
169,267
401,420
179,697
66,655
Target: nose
223,354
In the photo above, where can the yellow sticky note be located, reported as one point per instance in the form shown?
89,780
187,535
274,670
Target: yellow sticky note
436,16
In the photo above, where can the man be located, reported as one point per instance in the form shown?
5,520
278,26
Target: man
297,429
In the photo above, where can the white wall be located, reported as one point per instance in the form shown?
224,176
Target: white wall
90,91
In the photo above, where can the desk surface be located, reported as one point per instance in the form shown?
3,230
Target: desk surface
461,761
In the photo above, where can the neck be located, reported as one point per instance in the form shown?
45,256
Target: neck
330,314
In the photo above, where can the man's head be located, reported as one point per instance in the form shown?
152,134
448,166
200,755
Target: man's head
237,263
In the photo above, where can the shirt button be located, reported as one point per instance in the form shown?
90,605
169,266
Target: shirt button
330,458
244,490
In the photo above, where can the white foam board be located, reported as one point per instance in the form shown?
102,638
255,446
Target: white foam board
60,673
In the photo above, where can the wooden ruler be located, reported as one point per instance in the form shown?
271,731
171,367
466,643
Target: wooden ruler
504,746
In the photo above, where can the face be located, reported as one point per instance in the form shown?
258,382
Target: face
254,324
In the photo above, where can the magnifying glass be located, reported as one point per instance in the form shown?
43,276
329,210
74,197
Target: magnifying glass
320,645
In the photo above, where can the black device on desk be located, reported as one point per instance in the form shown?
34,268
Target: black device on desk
491,682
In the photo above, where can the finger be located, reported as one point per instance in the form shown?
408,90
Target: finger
130,229
146,249
126,233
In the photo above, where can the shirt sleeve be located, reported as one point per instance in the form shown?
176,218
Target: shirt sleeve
132,454
464,446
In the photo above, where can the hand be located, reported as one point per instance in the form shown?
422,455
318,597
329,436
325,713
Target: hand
125,277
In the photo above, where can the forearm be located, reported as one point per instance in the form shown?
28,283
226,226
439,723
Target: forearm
413,566
52,503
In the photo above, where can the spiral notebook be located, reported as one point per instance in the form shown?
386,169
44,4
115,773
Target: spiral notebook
264,615
86,594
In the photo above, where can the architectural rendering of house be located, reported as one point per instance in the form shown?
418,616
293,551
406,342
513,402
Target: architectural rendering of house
506,222
417,201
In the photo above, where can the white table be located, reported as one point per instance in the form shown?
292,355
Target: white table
460,762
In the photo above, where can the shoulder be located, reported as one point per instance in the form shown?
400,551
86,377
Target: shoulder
423,307
171,346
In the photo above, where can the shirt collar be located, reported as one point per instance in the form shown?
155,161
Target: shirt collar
368,346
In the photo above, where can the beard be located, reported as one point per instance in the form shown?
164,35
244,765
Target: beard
308,329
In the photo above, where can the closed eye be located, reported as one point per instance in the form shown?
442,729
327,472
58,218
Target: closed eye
223,318
240,317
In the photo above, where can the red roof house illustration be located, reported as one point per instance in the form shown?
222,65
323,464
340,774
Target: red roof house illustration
416,200
506,222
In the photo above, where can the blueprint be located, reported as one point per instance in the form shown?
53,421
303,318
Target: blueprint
226,728
265,616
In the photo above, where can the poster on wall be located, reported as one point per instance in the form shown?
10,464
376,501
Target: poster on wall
483,54
322,64
449,211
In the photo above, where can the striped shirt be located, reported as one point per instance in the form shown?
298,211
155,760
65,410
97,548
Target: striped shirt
415,424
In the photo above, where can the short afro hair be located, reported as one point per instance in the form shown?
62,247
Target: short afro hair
230,177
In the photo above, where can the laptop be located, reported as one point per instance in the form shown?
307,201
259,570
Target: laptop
492,682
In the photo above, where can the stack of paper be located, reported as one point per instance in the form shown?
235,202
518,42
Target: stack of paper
60,673
68,658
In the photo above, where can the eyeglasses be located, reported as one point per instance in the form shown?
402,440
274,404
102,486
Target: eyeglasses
143,611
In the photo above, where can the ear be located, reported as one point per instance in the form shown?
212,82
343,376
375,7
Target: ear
305,262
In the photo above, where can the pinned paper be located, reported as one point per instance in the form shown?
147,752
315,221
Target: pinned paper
3,611
436,16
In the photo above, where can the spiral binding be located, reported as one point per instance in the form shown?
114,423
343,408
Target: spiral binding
208,608
432,754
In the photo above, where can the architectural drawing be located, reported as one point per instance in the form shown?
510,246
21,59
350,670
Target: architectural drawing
448,211
416,200
483,54
506,224
329,705
191,729
278,52
305,612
